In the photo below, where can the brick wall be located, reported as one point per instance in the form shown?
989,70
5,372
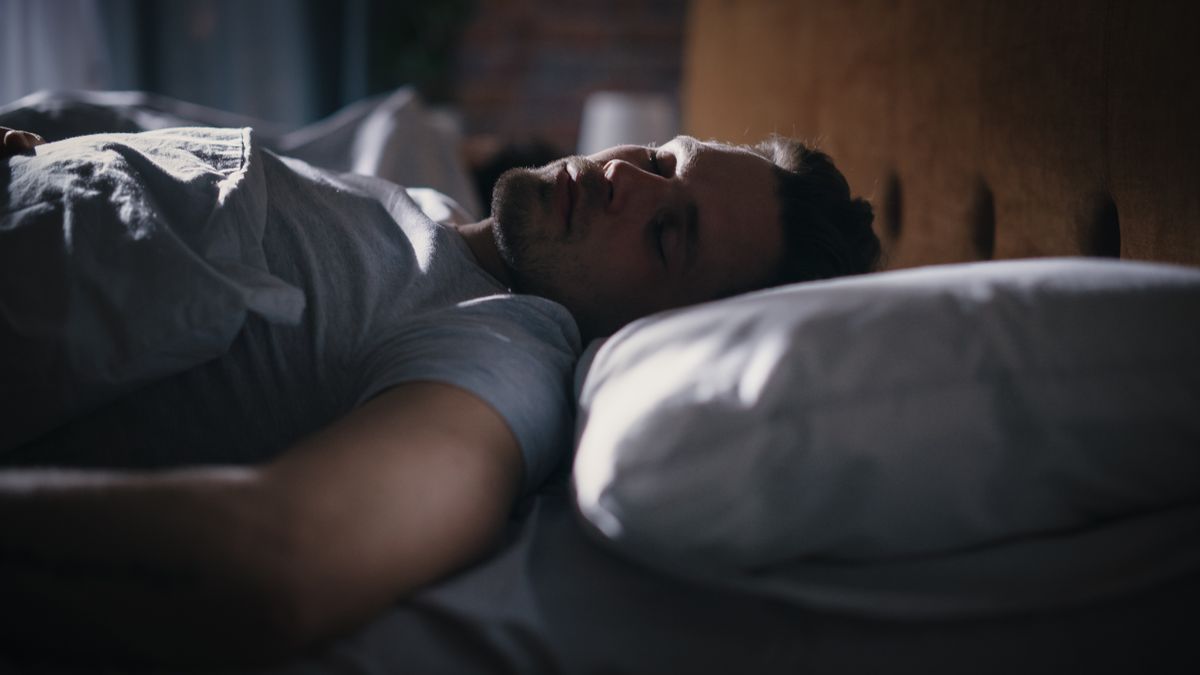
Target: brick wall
525,66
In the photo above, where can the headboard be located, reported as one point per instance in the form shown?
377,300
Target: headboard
978,128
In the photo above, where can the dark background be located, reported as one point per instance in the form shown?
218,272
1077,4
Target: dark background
507,70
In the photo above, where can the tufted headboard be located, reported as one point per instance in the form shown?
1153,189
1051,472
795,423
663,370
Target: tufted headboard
978,128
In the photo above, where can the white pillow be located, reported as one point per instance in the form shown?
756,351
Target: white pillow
894,416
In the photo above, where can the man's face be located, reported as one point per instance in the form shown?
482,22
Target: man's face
634,230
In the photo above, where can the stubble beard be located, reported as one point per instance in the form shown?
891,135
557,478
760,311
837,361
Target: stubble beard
518,206
541,261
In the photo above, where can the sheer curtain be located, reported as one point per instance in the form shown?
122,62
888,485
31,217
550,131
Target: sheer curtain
289,61
51,44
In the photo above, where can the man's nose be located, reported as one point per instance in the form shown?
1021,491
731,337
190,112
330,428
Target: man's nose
633,188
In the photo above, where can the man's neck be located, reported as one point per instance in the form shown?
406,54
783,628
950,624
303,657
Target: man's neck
482,243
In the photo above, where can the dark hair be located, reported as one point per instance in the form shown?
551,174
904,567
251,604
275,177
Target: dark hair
827,233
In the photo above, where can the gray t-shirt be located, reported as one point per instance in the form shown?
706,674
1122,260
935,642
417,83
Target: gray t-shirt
388,297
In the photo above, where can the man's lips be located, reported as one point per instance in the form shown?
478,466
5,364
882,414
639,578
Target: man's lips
566,193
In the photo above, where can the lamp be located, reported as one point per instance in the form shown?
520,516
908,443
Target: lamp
613,118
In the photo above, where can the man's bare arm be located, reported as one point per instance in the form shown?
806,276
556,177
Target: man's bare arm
258,562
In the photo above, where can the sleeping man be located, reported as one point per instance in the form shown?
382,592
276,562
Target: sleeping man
289,397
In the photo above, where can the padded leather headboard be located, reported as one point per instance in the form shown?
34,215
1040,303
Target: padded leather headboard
978,128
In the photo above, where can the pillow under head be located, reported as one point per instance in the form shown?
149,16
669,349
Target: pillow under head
906,415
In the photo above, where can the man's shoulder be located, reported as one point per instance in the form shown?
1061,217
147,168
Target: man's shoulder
440,208
514,352
492,325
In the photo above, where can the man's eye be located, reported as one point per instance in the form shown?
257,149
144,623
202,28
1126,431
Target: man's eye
657,230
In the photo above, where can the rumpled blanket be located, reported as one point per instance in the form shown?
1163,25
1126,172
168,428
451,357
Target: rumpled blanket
167,211
393,136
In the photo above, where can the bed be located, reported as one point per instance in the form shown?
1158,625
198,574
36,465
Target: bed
981,131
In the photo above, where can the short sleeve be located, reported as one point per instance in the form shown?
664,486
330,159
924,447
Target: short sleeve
516,353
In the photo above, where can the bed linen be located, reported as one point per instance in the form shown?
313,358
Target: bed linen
178,191
948,439
180,212
553,600
393,136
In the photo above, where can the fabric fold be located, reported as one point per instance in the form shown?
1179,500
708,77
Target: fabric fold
125,258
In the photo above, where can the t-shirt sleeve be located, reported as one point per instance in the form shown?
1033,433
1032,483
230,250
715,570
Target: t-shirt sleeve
516,353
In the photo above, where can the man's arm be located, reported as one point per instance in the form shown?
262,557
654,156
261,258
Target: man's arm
256,562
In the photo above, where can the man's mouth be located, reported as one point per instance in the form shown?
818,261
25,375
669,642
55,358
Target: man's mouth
566,192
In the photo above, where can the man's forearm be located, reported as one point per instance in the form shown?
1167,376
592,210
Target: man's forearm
173,564
123,519
414,484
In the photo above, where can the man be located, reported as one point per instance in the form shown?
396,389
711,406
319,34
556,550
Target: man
398,440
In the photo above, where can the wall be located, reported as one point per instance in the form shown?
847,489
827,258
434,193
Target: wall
525,66
979,128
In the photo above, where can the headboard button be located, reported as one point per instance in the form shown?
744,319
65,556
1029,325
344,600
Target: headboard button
892,207
1101,235
983,221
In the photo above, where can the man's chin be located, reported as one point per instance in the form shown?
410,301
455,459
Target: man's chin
518,205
